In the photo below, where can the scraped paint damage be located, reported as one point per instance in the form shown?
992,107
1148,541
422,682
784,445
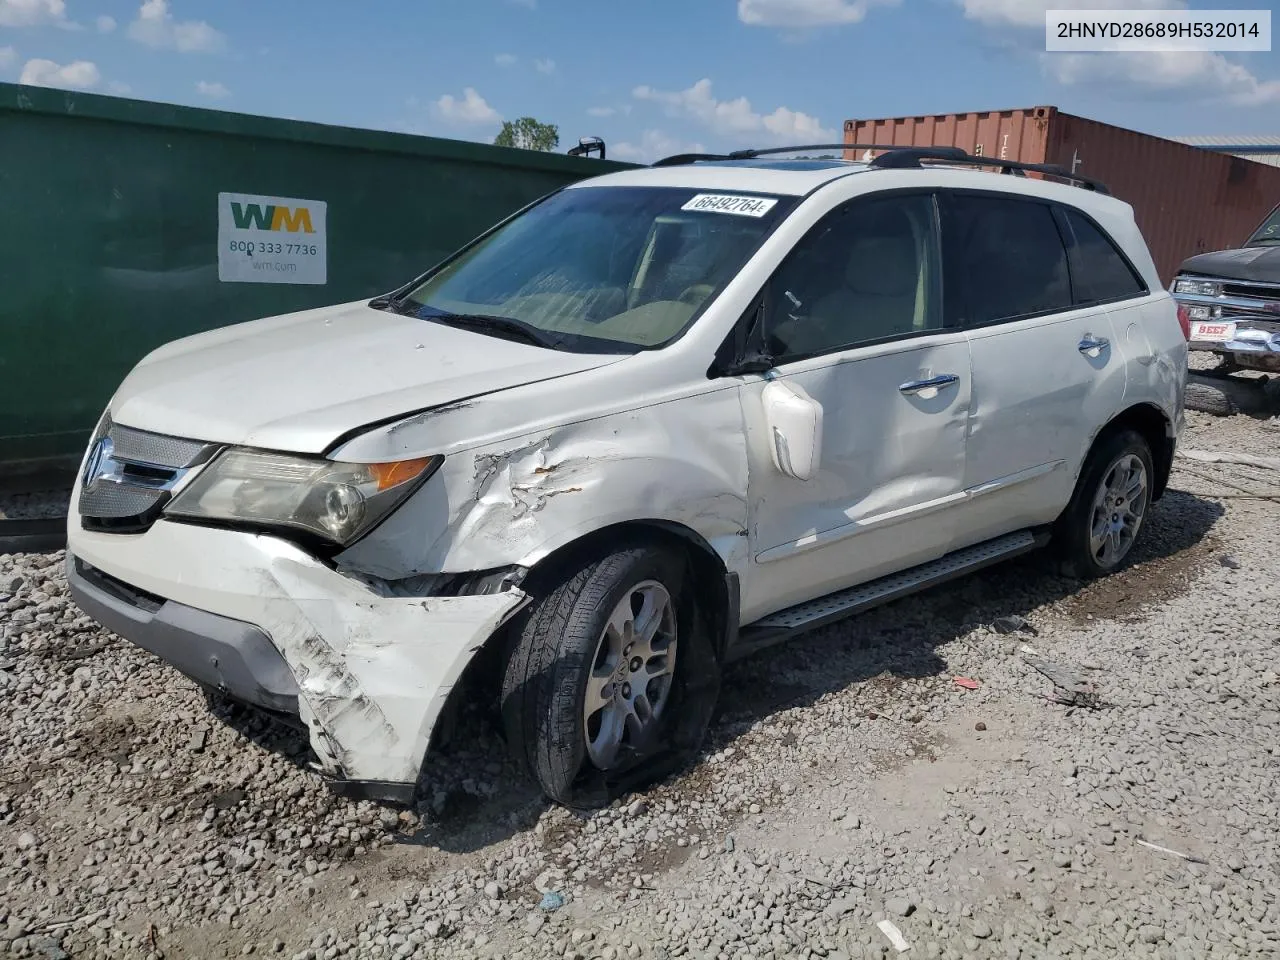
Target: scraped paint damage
515,501
374,669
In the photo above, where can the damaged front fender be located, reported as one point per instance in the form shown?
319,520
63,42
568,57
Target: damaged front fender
513,502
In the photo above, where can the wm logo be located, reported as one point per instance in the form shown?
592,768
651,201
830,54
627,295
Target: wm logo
256,216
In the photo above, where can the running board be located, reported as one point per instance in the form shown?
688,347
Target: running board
781,626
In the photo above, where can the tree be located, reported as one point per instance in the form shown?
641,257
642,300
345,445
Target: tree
528,134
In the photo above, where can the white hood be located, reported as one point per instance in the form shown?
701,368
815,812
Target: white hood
299,381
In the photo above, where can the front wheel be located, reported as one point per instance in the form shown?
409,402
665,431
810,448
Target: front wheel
608,679
1105,517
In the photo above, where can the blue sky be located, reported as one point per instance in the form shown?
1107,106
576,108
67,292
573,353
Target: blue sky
650,76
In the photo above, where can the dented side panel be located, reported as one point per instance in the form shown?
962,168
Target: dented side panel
679,461
373,672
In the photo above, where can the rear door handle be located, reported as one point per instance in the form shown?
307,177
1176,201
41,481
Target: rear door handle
912,387
1092,346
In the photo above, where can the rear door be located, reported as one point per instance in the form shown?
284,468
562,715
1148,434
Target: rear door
1047,368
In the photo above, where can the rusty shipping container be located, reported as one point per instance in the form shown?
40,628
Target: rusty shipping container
1186,200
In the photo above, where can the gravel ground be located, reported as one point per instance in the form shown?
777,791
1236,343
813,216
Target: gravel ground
848,779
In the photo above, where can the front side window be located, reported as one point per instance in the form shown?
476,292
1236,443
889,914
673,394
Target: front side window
1269,232
1098,272
868,271
1009,256
603,268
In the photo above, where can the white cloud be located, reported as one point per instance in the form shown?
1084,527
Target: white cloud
80,75
1186,75
544,66
796,127
733,116
471,108
601,111
653,145
214,91
807,13
156,27
8,57
1030,13
106,24
32,13
505,59
118,88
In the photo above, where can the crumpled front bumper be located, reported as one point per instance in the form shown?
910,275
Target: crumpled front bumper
260,618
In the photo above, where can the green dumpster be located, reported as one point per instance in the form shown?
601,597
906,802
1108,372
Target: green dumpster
129,224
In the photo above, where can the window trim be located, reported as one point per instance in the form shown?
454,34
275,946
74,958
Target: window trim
947,195
1061,213
759,303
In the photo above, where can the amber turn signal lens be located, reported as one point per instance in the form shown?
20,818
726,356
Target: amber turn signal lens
393,474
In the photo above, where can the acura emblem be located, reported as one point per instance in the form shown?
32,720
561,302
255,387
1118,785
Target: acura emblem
101,452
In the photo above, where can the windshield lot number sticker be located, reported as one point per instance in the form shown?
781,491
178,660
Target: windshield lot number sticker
723,203
271,239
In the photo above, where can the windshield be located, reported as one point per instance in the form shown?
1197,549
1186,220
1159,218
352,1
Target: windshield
1269,232
604,267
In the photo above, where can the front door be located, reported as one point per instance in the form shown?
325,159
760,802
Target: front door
855,322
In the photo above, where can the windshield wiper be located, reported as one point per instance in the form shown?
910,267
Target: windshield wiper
503,325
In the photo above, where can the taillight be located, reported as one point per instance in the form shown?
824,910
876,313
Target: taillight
1184,321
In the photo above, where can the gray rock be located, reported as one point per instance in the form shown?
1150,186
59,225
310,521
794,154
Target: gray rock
899,907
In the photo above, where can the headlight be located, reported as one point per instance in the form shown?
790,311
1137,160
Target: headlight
336,501
1203,288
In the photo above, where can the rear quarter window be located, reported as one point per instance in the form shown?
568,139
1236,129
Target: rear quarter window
1099,271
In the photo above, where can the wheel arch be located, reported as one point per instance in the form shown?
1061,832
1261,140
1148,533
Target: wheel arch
714,585
1154,426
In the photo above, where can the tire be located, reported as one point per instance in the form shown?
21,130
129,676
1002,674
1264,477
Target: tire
1102,476
1209,398
570,642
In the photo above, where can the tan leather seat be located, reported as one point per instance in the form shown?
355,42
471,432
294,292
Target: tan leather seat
879,293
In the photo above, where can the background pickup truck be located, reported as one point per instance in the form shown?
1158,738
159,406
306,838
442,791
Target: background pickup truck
1229,301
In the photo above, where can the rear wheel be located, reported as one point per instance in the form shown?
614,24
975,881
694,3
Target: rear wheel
607,681
1105,517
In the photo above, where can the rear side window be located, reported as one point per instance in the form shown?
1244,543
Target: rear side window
1099,272
1007,255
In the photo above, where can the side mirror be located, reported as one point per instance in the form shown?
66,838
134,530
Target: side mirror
794,421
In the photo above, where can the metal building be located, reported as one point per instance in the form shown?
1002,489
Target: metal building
1259,149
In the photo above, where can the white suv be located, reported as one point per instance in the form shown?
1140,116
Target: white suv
648,424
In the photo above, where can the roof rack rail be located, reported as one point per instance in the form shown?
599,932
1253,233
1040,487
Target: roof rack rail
897,157
910,157
683,158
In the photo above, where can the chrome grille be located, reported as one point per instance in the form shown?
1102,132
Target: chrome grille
130,475
156,449
115,501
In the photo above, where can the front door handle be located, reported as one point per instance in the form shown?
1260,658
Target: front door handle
1092,346
912,387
